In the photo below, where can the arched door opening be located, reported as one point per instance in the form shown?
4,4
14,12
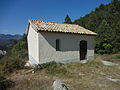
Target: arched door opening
83,49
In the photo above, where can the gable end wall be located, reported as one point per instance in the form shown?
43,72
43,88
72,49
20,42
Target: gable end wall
33,47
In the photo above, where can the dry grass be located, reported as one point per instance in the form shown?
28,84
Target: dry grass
77,76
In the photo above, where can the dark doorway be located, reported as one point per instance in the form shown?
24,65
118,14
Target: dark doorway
83,50
57,44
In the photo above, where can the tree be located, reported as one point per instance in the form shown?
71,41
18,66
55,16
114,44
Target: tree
115,0
104,38
105,21
20,49
116,39
68,20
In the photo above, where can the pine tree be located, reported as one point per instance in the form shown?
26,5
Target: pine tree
116,39
105,21
115,0
68,20
104,38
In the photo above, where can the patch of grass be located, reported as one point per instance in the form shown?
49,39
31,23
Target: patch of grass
58,71
33,83
47,65
77,76
94,62
53,68
118,56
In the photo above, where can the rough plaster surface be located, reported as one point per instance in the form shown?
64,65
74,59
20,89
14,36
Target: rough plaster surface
69,45
42,47
33,46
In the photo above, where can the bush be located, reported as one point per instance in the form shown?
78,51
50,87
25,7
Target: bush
9,64
101,52
46,65
5,83
14,59
53,68
20,49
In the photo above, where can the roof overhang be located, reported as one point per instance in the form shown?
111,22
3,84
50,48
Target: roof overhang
36,28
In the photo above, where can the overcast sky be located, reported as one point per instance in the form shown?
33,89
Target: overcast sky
14,14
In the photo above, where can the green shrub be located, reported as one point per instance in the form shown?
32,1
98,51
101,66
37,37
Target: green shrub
5,83
19,49
46,65
101,52
9,64
14,59
53,68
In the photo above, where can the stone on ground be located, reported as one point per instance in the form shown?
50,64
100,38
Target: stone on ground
114,80
83,61
59,85
107,63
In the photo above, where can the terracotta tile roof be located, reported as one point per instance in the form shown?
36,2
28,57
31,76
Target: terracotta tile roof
59,27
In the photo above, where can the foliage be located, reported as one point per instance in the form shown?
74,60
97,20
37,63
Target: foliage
105,21
15,58
10,64
77,76
53,68
1,56
61,70
118,56
5,83
104,38
68,20
97,63
19,49
47,65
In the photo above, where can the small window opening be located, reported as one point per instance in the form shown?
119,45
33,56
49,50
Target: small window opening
57,44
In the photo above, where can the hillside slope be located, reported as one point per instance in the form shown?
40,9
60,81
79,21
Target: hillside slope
77,76
7,40
105,21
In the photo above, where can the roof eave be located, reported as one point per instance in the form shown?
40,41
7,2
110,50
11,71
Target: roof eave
32,25
67,32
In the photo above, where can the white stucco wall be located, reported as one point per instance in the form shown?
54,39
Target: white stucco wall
69,47
33,42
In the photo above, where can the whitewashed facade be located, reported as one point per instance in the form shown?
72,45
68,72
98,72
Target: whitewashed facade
42,46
